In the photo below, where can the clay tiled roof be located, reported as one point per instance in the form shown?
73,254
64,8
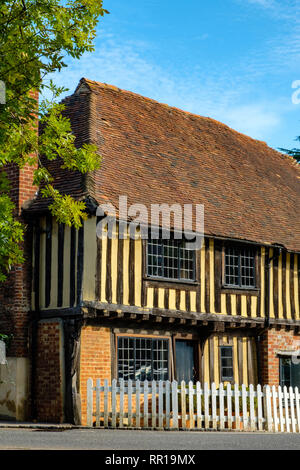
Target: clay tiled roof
154,153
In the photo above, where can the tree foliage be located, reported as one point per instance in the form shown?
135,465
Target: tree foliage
35,38
293,152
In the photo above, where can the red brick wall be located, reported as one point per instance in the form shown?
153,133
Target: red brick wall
15,302
273,341
49,391
95,359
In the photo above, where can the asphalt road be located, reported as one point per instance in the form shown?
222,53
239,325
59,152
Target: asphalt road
90,439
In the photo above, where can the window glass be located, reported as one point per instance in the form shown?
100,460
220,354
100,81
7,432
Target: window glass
226,363
239,267
143,358
170,259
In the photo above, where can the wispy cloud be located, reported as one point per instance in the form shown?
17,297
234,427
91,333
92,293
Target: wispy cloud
224,97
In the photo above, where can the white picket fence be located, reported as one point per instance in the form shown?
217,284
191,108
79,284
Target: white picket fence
169,405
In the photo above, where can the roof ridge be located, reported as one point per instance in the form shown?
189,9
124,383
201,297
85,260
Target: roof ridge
152,100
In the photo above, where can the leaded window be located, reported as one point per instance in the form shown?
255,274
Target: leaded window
240,267
143,358
226,358
290,371
170,259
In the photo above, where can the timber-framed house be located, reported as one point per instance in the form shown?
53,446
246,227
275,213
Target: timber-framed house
151,308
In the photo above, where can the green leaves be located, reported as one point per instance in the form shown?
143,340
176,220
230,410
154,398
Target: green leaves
35,36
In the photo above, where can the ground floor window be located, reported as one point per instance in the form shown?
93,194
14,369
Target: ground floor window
142,358
290,371
226,357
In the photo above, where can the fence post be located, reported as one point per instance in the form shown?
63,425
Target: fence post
229,405
281,418
106,403
267,407
98,392
191,404
153,404
89,408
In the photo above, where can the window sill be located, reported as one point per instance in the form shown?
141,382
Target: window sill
172,283
240,290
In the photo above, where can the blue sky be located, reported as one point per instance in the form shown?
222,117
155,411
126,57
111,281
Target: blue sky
232,60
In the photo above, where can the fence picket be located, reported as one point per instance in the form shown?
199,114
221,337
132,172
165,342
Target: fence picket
252,413
198,399
281,418
206,406
121,403
153,398
237,406
114,403
229,405
168,404
259,408
106,403
286,406
191,404
268,409
146,415
274,399
297,404
214,405
89,405
175,404
160,405
138,404
221,401
183,404
98,394
291,397
244,407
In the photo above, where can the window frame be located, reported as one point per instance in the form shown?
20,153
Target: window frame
240,287
177,280
222,379
145,336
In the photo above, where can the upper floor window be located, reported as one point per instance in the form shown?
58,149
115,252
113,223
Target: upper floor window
170,259
239,267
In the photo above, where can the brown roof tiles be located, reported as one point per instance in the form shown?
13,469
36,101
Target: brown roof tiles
154,153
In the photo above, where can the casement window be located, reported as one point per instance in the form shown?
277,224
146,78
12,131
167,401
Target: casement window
142,358
170,259
289,371
226,363
239,269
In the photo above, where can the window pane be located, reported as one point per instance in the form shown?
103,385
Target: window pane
226,363
170,259
143,359
239,267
